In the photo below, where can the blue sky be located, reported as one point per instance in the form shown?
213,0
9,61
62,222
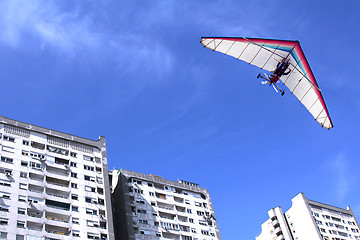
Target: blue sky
135,72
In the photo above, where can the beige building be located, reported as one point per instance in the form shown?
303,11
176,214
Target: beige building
310,220
53,185
150,207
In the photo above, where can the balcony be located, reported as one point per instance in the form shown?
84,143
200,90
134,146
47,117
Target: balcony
57,205
36,177
58,182
182,218
57,219
35,188
53,229
34,212
34,226
179,200
57,193
57,171
180,209
165,215
167,235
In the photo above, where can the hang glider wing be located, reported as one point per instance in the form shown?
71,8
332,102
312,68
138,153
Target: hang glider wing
266,54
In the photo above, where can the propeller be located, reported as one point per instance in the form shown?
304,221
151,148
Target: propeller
275,88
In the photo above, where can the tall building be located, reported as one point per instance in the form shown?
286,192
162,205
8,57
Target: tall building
307,219
150,207
53,185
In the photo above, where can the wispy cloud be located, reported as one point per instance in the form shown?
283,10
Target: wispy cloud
71,30
343,181
44,21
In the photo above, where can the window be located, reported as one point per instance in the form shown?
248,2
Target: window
74,185
5,183
91,211
20,237
91,223
21,211
74,175
22,198
25,153
7,138
204,232
3,235
150,184
87,158
76,233
20,224
193,230
57,150
23,174
151,194
8,149
201,222
188,210
89,168
4,208
200,213
4,195
75,208
138,191
23,186
141,211
26,143
74,197
6,159
37,145
75,220
73,164
99,180
191,220
24,163
4,221
35,165
143,221
89,189
37,156
92,236
72,154
89,178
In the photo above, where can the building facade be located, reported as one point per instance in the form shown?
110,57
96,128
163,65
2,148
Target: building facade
53,185
307,219
150,207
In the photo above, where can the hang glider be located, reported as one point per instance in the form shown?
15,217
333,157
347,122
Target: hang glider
287,63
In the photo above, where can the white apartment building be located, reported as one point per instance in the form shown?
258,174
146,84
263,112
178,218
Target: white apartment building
307,219
150,207
53,185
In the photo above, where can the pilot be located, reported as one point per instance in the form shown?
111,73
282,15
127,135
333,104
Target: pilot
280,70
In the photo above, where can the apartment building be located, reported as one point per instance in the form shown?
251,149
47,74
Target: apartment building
53,185
308,219
150,207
